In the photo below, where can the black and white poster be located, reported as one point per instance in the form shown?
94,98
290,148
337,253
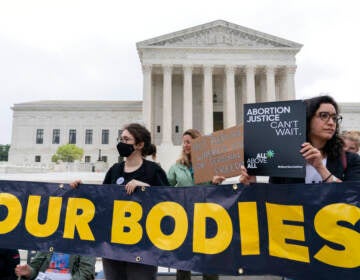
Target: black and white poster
273,134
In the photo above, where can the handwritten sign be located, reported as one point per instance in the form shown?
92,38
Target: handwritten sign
273,134
220,153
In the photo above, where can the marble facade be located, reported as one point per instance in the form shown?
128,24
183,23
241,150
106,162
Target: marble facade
194,78
201,76
98,121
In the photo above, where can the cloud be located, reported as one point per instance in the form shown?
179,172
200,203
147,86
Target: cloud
77,49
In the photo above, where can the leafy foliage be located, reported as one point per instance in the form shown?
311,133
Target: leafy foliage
68,153
4,152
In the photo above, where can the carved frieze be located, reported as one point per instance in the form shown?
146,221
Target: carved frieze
219,36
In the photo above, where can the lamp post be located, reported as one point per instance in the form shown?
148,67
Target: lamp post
3,153
99,159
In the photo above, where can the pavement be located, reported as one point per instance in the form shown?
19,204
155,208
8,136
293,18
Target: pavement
223,277
56,177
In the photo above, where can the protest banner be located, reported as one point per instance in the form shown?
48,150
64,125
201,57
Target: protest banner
232,229
273,134
220,153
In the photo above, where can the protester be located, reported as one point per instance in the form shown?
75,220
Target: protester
326,160
134,145
182,174
9,258
53,265
351,141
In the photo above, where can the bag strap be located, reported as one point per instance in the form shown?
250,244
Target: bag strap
149,168
343,160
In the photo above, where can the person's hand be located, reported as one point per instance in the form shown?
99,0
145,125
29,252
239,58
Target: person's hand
23,270
131,186
217,179
312,155
245,178
75,184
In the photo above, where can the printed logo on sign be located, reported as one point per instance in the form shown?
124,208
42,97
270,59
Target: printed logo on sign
261,158
270,153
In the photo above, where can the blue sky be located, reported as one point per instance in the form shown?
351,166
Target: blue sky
85,50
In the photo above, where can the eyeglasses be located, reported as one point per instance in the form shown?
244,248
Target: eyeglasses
124,139
325,116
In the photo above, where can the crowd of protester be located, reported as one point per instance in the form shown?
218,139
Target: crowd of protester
329,156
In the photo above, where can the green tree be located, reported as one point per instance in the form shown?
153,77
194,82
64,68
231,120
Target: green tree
4,152
68,153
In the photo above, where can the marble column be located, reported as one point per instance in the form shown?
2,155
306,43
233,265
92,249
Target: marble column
147,98
250,84
282,85
167,105
187,98
229,98
208,118
290,82
287,86
243,93
262,86
242,98
270,83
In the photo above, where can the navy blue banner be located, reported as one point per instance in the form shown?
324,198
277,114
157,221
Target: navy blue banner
299,231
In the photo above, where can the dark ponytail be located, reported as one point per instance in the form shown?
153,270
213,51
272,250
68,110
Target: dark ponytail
152,151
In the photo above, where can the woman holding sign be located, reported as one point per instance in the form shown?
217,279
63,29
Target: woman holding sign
326,160
181,174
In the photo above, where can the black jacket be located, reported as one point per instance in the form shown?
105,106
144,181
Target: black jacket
149,172
9,258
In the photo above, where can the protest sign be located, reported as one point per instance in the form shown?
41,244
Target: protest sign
273,134
220,153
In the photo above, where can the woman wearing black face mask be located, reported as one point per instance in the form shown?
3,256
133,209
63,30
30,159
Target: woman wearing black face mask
135,145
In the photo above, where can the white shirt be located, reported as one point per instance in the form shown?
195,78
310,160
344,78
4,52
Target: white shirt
312,176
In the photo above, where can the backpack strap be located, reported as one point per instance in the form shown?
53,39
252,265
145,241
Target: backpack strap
118,168
343,161
149,168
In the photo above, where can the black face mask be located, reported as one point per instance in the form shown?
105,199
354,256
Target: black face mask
124,149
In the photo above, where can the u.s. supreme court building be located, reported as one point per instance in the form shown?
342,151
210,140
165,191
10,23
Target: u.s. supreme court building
198,77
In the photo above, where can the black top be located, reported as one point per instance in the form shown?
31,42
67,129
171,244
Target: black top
9,258
149,172
349,171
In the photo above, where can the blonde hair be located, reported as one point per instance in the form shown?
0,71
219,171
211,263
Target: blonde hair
184,158
352,135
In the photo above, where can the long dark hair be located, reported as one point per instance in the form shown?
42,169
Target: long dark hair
141,134
333,147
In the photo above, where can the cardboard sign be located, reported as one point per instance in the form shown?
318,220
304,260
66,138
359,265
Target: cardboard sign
220,153
273,134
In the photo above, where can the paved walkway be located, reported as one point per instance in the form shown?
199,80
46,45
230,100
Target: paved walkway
198,277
